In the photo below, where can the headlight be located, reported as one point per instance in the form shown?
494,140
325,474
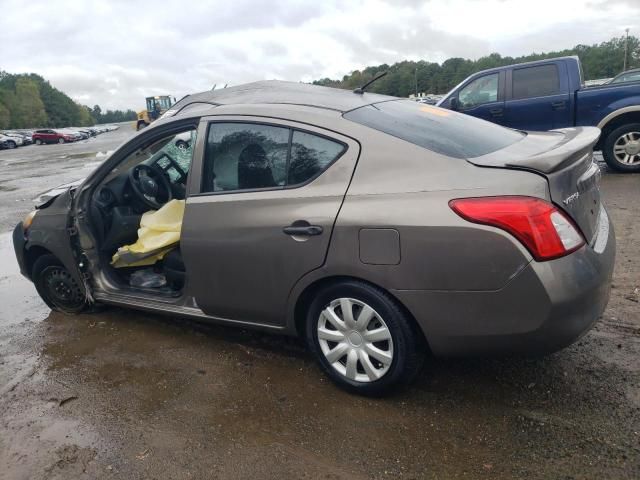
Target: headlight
26,223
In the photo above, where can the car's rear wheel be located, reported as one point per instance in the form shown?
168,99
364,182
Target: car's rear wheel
11,144
362,339
622,148
57,287
61,140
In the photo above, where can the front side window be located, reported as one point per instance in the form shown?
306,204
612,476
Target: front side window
480,91
247,156
539,81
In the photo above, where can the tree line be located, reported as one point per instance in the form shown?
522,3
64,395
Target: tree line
602,60
29,101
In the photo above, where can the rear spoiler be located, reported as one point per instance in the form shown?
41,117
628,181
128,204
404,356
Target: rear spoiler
576,143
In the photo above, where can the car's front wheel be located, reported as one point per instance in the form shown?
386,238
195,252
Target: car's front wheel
57,287
11,144
61,140
621,148
38,141
362,338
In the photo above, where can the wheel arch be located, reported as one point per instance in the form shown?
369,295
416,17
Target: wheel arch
616,119
32,254
305,297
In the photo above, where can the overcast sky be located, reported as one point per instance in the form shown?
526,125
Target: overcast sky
116,52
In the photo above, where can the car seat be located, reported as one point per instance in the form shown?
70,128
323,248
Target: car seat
253,168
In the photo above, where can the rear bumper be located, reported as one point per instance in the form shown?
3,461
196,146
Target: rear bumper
546,307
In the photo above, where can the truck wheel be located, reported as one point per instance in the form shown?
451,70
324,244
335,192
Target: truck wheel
57,287
621,148
362,339
141,125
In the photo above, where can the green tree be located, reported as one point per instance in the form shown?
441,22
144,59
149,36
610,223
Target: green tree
27,108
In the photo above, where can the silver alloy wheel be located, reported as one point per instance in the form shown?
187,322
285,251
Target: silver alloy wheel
627,148
355,340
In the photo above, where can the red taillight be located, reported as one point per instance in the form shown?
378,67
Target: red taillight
540,226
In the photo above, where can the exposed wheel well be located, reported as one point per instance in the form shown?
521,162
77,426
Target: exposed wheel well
306,297
625,118
31,255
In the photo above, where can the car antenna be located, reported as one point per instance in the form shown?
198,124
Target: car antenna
360,90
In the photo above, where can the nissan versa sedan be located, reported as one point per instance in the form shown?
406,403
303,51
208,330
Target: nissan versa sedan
376,228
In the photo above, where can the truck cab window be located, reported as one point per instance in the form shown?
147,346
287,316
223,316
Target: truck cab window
479,91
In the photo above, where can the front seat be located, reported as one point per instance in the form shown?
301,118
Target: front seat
253,168
173,267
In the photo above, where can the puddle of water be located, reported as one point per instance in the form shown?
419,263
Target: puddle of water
18,296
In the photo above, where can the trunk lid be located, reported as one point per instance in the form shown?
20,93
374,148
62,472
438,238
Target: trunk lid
565,158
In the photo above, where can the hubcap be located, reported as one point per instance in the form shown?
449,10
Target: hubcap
627,148
355,340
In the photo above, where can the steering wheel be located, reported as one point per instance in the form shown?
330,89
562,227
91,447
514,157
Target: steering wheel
147,182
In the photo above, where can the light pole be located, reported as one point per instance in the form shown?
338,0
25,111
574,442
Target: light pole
626,41
416,78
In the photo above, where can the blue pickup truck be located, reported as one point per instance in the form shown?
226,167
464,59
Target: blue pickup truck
550,94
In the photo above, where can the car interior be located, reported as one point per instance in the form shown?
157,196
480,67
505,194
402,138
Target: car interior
145,181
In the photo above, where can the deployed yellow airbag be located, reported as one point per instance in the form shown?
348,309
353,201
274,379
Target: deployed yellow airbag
159,233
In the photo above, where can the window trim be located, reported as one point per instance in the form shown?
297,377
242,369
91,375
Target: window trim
558,92
292,129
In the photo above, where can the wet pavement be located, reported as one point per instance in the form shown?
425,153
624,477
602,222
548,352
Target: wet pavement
123,394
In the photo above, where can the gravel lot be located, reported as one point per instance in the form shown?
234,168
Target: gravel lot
121,394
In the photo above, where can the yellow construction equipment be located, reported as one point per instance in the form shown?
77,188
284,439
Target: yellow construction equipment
156,106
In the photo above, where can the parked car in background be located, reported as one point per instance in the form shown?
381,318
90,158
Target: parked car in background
628,76
368,225
49,135
549,94
15,137
11,142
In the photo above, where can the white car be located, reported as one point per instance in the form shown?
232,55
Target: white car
13,141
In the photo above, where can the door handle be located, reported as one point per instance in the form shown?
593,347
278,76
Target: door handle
558,105
496,112
303,229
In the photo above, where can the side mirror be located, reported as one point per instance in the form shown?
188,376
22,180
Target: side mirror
454,104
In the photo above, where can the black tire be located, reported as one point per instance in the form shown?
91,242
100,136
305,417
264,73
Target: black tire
609,144
61,140
57,287
38,141
409,347
141,125
11,144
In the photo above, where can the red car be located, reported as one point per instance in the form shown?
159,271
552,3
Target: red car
51,136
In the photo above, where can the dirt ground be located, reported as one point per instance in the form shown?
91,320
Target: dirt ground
121,394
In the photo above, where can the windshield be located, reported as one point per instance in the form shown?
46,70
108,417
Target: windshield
436,129
627,77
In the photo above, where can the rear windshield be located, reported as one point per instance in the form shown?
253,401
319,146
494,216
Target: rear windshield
436,129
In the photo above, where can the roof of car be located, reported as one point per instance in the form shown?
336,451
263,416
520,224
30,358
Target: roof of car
281,92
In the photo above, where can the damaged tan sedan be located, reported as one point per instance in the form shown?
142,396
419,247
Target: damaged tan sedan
376,228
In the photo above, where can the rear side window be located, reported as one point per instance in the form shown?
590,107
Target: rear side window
250,156
539,81
310,155
442,131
